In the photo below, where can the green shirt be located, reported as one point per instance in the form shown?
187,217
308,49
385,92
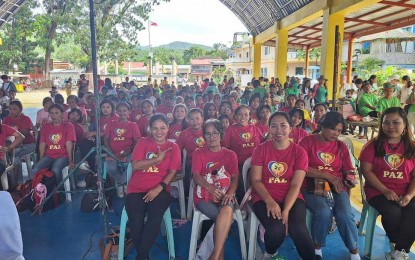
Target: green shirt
384,103
367,99
321,95
262,91
292,91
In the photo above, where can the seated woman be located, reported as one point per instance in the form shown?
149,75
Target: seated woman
242,138
254,102
42,115
277,173
319,111
24,125
209,111
120,138
143,122
179,122
329,159
56,143
298,124
263,114
155,162
215,173
388,164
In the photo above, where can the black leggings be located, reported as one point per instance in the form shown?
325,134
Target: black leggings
144,235
85,146
275,230
397,221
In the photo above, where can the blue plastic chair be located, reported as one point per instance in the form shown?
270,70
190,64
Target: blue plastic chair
167,222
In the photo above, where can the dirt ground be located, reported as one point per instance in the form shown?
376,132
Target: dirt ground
33,98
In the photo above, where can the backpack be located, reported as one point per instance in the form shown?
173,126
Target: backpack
43,183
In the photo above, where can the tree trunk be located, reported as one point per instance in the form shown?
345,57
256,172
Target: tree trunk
49,48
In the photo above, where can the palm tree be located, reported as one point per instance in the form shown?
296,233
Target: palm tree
315,54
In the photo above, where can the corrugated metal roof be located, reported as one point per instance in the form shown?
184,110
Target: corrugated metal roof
8,8
259,15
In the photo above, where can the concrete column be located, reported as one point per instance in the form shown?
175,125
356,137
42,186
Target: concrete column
281,54
307,60
256,59
350,59
327,47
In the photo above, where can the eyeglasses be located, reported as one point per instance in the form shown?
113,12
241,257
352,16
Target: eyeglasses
211,135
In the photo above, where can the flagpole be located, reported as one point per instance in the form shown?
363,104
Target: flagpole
149,46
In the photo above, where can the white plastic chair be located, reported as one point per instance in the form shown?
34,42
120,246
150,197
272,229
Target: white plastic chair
199,217
67,184
4,176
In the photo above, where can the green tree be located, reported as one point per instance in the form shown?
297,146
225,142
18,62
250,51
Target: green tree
192,53
219,72
315,54
300,54
219,50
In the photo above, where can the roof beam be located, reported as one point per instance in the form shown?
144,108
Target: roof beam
377,18
304,15
364,21
309,28
349,6
398,23
306,38
400,4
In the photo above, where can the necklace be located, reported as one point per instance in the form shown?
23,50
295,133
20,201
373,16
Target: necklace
394,148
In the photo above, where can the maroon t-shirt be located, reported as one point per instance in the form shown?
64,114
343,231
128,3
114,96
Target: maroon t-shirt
278,167
19,123
55,138
242,140
393,170
216,167
174,131
6,131
122,135
297,134
146,148
190,140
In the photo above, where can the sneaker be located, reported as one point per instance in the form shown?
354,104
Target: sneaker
81,184
120,191
84,166
397,255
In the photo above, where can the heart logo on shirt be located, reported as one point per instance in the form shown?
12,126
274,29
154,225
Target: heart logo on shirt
177,133
253,121
246,136
326,158
119,131
151,155
394,160
55,138
199,141
210,165
277,169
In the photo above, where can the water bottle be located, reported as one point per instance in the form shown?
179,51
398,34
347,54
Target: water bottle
328,195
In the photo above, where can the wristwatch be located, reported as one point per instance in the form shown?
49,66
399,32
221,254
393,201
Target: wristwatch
163,185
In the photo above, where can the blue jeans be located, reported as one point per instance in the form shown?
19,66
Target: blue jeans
19,153
113,170
55,165
323,216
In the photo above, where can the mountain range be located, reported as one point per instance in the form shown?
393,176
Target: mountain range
178,45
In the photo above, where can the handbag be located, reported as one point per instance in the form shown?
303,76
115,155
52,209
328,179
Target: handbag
108,245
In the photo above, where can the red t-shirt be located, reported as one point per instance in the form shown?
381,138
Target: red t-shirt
297,134
144,180
285,109
205,162
190,140
143,126
55,138
278,167
263,128
79,132
327,157
122,135
19,123
105,120
6,131
393,170
90,111
163,109
254,119
242,140
135,115
174,131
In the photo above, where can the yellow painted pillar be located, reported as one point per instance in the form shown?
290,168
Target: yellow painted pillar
307,59
281,51
327,47
350,59
256,59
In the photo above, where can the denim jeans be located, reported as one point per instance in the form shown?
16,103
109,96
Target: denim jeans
323,215
55,165
19,153
113,170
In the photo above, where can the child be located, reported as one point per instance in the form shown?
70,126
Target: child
179,122
53,92
301,104
298,124
225,120
148,110
319,111
263,114
309,100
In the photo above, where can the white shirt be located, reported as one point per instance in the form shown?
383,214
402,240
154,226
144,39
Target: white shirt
405,93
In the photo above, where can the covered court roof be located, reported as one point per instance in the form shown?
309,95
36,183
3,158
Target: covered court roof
375,18
8,8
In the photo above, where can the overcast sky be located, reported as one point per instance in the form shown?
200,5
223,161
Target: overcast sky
196,21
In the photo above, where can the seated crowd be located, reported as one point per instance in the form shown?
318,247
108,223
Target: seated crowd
287,131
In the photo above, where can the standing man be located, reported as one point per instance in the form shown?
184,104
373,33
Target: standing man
7,85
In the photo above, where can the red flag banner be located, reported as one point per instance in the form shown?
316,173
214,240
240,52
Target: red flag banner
153,23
